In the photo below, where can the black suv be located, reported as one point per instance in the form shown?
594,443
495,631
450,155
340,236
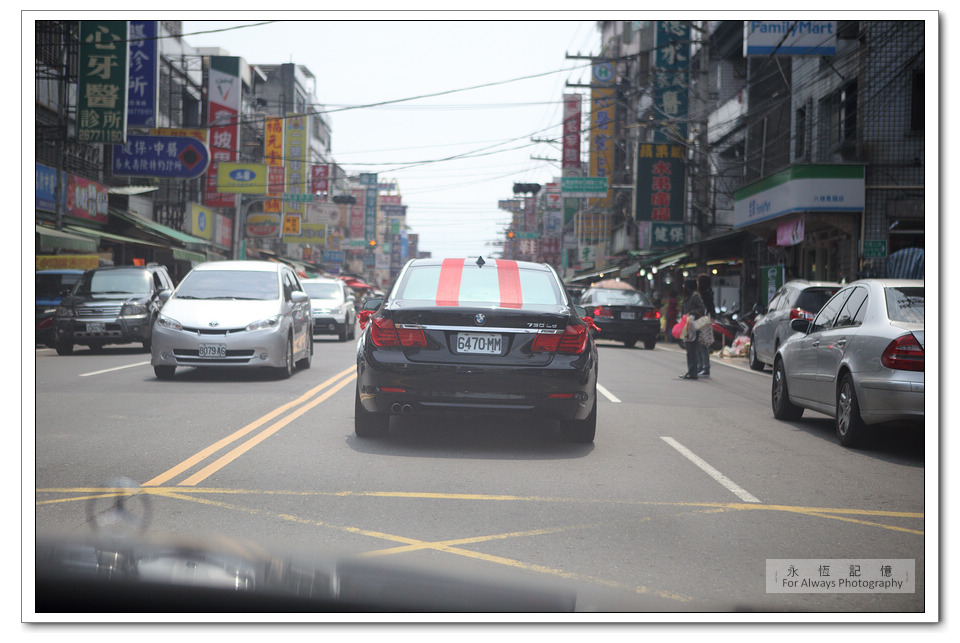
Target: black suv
115,305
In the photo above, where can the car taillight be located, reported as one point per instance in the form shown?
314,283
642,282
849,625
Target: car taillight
652,314
411,336
573,340
546,342
383,332
904,354
600,311
800,313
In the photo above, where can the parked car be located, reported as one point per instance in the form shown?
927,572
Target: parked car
111,305
235,313
623,314
51,287
861,359
796,299
333,305
467,336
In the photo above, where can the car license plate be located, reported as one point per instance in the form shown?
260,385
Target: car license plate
628,315
95,328
479,343
213,350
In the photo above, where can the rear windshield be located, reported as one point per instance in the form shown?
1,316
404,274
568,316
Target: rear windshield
813,299
905,304
229,284
114,282
619,298
52,285
322,291
496,283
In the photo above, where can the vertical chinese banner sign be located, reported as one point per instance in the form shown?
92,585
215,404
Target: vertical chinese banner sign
102,82
571,149
144,71
295,149
602,114
223,111
273,154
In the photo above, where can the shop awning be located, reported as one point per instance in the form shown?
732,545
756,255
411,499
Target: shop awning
188,255
99,234
59,240
159,228
592,276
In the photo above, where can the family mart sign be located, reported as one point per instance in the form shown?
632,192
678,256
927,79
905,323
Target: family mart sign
801,188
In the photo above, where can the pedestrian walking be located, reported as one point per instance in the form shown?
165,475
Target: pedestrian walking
705,338
692,306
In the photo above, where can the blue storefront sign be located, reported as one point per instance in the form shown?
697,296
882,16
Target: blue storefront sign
164,157
46,188
143,75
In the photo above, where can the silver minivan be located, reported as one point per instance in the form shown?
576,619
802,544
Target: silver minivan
234,313
333,308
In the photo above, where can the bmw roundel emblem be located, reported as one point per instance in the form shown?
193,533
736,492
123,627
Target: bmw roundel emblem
481,319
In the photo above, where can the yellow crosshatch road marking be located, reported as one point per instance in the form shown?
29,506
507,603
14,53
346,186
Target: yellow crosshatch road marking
455,546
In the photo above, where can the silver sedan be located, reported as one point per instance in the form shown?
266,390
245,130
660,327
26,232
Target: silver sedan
860,360
234,313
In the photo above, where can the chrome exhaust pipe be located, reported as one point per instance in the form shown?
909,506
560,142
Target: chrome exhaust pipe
407,409
396,408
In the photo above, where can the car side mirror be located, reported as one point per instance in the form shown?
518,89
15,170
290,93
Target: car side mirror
299,297
372,303
800,325
164,295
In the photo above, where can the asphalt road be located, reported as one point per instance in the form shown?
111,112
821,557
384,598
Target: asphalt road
690,499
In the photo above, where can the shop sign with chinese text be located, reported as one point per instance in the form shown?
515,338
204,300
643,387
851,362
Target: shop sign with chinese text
164,157
143,76
671,80
661,180
102,82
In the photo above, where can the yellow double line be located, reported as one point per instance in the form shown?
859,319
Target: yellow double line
335,383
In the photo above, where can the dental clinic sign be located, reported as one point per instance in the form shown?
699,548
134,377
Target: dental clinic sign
798,189
790,38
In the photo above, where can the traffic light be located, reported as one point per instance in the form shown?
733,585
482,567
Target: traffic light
372,244
510,234
526,188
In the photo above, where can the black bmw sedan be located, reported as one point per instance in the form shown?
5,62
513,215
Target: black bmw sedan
468,336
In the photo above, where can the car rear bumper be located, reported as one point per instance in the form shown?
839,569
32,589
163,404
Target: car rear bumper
887,400
560,393
327,325
623,331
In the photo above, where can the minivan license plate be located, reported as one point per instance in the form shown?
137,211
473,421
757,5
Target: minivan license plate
213,350
95,327
486,343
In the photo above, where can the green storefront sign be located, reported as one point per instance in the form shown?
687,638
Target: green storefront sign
102,82
874,248
771,280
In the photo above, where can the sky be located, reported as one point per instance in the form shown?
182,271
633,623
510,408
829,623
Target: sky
452,204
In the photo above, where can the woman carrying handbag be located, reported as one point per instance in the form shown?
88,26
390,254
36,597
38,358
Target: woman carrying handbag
705,338
693,306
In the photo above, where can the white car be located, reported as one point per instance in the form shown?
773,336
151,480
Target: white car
234,313
333,308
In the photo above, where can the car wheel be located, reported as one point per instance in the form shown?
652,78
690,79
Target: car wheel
850,426
630,343
583,431
353,329
367,424
147,345
63,346
306,361
650,343
755,363
342,336
285,371
783,408
164,372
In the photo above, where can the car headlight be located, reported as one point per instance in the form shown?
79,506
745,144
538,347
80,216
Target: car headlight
64,311
168,322
131,310
265,324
